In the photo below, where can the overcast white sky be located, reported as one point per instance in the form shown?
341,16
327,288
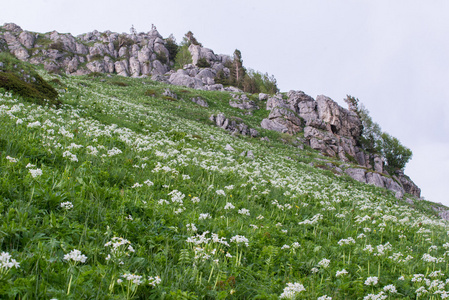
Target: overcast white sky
392,55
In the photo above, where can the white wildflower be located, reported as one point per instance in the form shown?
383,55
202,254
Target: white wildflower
7,262
148,182
11,159
153,281
324,263
67,205
244,211
204,216
371,280
76,256
220,192
229,206
35,172
341,273
292,290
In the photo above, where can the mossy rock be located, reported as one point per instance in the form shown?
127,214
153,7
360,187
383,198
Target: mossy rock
21,79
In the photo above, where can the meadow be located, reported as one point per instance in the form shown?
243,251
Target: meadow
123,193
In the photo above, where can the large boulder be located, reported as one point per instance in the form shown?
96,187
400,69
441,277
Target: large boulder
409,186
122,67
273,125
287,118
357,174
242,102
339,120
27,39
181,78
375,179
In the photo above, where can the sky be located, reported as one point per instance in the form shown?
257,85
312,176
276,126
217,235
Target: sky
392,55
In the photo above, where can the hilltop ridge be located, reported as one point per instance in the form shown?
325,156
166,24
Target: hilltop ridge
320,124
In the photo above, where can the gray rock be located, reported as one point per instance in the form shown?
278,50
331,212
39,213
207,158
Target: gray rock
206,75
233,89
263,97
250,154
220,119
180,78
160,78
121,67
169,93
444,215
134,67
287,118
378,164
375,179
392,185
213,87
273,125
253,132
276,101
409,201
357,174
409,186
200,101
27,39
242,102
12,27
96,66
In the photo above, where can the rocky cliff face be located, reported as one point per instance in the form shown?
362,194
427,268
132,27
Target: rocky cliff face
334,131
327,127
106,52
134,54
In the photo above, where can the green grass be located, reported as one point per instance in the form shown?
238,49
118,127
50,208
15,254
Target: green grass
150,171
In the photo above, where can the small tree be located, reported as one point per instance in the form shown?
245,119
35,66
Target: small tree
191,39
395,153
353,103
237,70
183,57
172,47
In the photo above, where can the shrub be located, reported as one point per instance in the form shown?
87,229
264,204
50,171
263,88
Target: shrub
160,56
94,74
183,57
96,57
150,93
20,78
395,153
119,83
203,63
172,47
57,46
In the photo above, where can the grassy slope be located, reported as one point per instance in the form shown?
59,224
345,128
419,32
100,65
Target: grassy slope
170,151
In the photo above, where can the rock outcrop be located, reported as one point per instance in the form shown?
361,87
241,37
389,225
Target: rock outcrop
326,126
334,131
234,125
242,102
135,54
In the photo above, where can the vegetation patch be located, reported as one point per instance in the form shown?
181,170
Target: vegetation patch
21,79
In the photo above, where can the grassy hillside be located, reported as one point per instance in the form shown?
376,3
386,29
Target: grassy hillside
122,193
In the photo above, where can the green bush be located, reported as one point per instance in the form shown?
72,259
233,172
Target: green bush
160,56
21,79
203,63
59,45
172,47
183,57
396,154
